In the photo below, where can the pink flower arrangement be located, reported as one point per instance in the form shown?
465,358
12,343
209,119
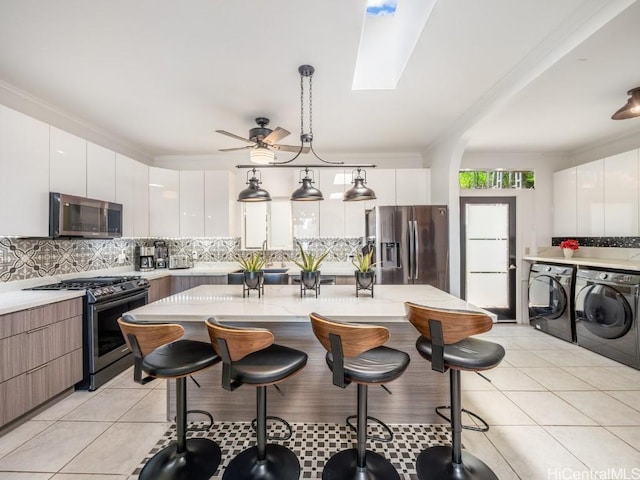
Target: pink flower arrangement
570,243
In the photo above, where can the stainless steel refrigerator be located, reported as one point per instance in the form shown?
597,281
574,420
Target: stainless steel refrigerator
411,244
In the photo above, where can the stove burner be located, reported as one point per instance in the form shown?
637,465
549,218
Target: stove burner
99,288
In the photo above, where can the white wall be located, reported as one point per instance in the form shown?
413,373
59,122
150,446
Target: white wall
605,149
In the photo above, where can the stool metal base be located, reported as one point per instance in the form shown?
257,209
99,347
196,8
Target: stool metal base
344,466
199,462
435,463
280,463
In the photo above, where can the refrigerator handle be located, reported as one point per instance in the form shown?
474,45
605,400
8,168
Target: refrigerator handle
410,251
416,249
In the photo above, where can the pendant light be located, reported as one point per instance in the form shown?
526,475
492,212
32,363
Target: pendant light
359,191
254,193
307,192
632,108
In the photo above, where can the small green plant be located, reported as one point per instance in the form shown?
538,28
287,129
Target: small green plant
253,263
309,262
363,262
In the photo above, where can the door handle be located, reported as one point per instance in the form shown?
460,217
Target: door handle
416,259
512,267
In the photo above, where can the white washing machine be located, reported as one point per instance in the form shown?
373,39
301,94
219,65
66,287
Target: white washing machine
606,314
551,299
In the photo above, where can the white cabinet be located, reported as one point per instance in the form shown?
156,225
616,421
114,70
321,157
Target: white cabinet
383,182
565,209
191,203
68,163
331,184
279,228
101,173
590,199
413,186
140,199
124,192
24,175
305,216
164,202
254,224
621,195
220,204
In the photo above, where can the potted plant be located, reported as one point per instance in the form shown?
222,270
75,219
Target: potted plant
309,264
365,274
252,266
569,246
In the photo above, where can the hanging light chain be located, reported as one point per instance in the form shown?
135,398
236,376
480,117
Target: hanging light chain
311,105
301,105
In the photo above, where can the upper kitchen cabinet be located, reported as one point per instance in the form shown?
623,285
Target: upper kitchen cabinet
140,199
331,183
68,163
382,182
125,185
565,209
621,194
413,186
164,202
191,203
590,199
305,216
24,162
220,203
101,173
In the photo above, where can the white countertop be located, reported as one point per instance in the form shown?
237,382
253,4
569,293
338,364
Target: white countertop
283,303
599,257
21,300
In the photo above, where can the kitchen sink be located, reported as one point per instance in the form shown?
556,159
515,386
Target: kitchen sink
272,276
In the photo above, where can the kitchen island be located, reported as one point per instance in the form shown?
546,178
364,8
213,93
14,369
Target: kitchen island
310,395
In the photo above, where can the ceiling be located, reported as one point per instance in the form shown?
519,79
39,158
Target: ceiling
162,75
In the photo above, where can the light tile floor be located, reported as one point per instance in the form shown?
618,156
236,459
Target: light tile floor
556,412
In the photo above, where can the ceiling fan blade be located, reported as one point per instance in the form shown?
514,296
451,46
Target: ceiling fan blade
234,149
290,148
276,135
233,135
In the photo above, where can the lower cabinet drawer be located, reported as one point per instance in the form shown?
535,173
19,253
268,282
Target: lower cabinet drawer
48,380
14,398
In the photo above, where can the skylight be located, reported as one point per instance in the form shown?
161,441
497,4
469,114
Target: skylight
381,7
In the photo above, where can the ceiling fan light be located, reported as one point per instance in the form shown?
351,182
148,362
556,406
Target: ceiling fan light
262,155
632,108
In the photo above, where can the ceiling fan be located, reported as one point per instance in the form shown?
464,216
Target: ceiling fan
263,137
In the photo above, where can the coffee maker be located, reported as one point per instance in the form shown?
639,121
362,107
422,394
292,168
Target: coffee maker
144,258
161,254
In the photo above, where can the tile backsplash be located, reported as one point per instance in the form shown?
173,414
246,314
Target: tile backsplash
623,242
22,259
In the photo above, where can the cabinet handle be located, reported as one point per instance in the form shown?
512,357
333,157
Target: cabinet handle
34,330
33,370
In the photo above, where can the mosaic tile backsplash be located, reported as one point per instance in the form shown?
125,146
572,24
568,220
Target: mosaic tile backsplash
624,242
22,259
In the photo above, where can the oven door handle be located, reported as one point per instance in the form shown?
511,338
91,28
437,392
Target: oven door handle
120,301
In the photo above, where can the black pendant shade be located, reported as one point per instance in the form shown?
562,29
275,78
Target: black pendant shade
254,193
632,107
359,191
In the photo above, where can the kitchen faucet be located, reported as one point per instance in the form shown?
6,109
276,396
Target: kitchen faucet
265,254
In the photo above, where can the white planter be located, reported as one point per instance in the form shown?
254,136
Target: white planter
568,253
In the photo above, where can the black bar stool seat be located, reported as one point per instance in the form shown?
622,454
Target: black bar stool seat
160,353
355,353
250,356
446,341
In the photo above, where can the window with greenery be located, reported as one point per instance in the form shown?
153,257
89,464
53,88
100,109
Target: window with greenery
481,179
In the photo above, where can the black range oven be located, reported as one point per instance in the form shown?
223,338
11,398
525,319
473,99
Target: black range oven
105,351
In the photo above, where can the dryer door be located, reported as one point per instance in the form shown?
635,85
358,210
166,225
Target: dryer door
547,298
603,311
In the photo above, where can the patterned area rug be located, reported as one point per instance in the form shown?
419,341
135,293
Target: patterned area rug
315,443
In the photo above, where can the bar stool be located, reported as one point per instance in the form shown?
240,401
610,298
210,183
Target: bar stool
355,353
446,341
163,355
250,356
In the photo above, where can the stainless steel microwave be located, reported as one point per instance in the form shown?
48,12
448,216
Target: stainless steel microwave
71,216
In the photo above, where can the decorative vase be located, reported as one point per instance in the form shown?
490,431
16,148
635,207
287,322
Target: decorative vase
364,279
568,253
252,279
310,279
